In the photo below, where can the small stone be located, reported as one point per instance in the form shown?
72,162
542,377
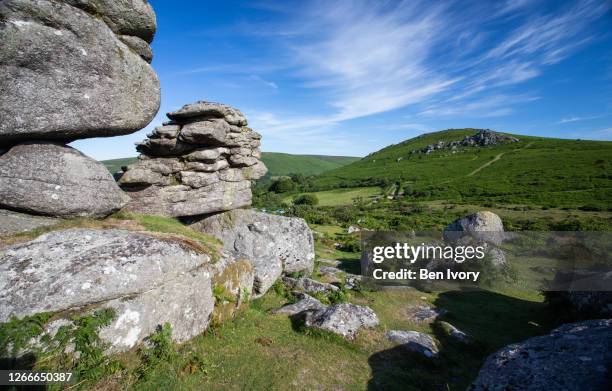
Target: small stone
305,304
454,332
343,319
414,341
309,285
424,313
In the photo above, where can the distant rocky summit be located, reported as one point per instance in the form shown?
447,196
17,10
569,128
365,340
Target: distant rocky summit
573,357
481,139
70,69
200,162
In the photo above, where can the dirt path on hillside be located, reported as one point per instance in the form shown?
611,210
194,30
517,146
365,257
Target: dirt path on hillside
496,158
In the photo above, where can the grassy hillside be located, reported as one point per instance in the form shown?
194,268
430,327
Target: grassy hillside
284,163
278,163
535,170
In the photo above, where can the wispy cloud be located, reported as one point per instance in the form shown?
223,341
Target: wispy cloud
363,58
370,58
268,83
576,118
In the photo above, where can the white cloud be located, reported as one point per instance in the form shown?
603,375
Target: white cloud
577,118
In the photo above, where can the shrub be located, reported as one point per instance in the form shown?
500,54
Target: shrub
306,199
282,185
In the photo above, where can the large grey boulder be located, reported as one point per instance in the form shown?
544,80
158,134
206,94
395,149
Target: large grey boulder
414,341
482,226
573,357
273,244
56,180
65,74
147,280
124,17
343,319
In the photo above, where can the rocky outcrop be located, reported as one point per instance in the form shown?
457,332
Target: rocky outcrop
70,69
74,69
342,319
56,180
573,357
273,244
482,138
414,341
146,280
482,226
201,162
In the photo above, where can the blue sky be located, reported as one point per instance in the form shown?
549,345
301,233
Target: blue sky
350,77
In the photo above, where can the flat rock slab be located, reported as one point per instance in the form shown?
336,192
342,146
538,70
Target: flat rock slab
424,313
146,280
330,270
414,341
309,285
343,319
203,109
573,357
305,304
76,267
15,222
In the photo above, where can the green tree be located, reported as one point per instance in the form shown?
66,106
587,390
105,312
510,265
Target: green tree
306,199
282,185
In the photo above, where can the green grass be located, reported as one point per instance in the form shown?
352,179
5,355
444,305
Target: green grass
278,164
258,350
535,170
165,228
340,196
284,164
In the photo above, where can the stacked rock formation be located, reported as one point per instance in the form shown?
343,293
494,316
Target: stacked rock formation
202,161
70,69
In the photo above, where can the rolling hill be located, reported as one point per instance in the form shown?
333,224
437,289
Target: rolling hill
278,163
534,170
284,163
